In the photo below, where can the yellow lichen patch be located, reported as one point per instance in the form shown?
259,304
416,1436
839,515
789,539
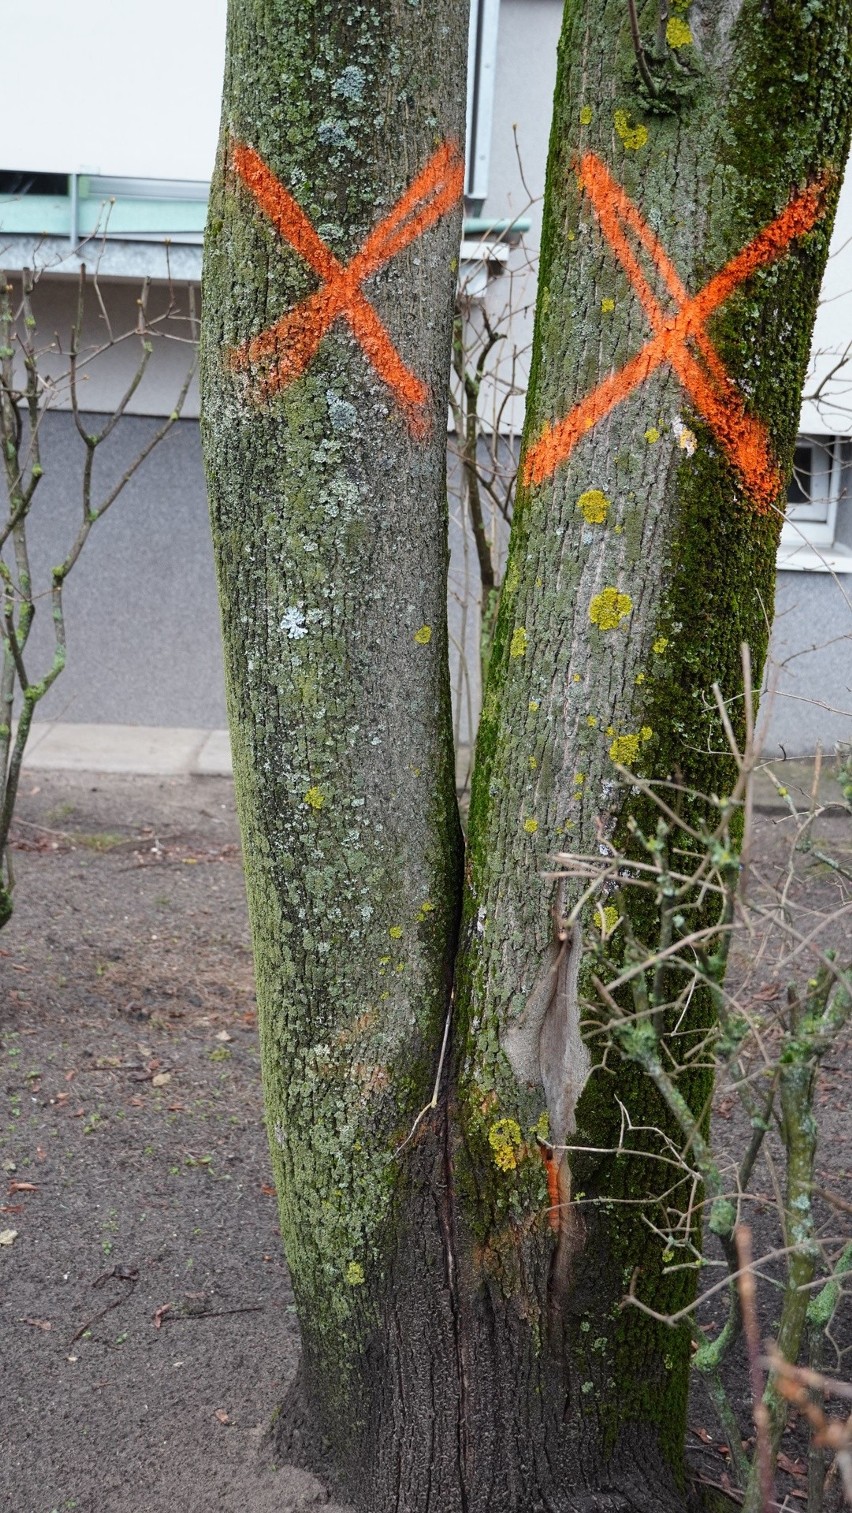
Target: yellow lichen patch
355,1274
518,646
618,529
424,635
639,679
315,797
646,732
609,607
607,918
504,1137
686,439
426,908
678,33
607,305
593,505
576,678
579,779
541,1128
625,749
531,826
512,579
660,645
395,932
592,721
610,730
533,763
652,435
632,137
586,114
533,706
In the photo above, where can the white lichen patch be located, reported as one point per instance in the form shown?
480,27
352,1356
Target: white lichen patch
293,623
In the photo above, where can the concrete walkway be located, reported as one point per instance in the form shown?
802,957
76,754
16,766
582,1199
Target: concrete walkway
150,750
167,751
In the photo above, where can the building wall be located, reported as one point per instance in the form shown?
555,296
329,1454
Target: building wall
141,608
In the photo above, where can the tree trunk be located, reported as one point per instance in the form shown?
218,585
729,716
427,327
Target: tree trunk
465,1350
642,556
326,460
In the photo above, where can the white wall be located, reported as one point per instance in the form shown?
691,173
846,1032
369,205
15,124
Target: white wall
125,87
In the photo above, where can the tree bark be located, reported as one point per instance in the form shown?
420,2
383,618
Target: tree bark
329,515
637,567
465,1348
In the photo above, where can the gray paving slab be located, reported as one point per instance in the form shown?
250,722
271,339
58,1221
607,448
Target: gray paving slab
214,758
153,750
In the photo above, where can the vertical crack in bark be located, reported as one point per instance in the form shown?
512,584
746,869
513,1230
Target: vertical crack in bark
445,1202
545,1048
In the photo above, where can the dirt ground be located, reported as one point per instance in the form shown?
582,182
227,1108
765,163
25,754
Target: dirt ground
147,1317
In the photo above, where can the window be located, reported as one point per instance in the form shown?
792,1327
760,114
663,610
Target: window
814,492
816,536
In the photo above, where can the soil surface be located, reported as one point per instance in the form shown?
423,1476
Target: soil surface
147,1319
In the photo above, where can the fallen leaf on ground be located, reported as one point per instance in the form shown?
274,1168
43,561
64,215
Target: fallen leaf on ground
223,1035
22,1187
222,1416
160,1079
38,1323
160,1314
792,1467
268,1190
40,1153
8,1236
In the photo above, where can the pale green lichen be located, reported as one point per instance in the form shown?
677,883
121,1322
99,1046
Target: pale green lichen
594,504
632,137
518,646
355,1274
660,645
607,918
609,607
315,797
504,1137
586,114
